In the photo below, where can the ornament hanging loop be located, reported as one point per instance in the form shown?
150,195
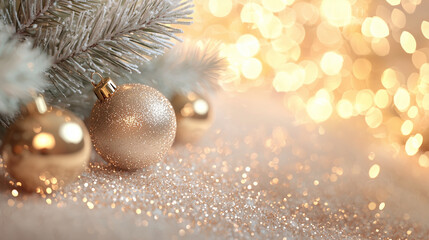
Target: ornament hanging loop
92,77
105,88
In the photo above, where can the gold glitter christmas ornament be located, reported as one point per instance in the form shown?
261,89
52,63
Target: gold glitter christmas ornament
132,125
46,147
193,114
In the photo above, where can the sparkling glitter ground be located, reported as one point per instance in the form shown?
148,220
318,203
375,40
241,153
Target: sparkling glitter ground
254,175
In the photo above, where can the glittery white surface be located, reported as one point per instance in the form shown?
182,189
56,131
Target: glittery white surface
255,174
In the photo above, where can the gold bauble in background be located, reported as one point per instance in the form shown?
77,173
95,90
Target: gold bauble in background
193,114
132,125
46,148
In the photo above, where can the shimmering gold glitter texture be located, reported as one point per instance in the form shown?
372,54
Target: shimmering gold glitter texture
46,150
194,116
134,127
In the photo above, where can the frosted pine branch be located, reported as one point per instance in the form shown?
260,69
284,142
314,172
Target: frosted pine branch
116,37
107,36
27,16
190,66
21,72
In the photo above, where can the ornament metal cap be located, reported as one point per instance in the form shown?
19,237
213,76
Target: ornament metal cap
105,88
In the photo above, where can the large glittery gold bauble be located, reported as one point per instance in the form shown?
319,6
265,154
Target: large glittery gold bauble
46,148
194,116
133,126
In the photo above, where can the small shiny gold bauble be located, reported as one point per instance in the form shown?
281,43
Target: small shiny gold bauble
193,114
132,125
46,148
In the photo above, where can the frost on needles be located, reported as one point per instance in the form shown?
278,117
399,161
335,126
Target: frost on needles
107,36
111,37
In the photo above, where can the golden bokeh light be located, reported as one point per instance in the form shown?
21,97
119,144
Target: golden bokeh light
419,58
424,160
251,13
408,42
319,107
328,34
372,206
374,117
394,2
425,102
380,46
413,144
270,26
331,63
407,127
374,171
388,78
378,28
311,71
398,18
402,99
274,5
251,68
248,45
364,101
345,108
220,8
413,112
381,99
15,193
366,27
332,59
425,29
290,79
337,12
382,206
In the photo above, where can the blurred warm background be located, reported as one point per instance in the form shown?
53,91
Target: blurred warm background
330,60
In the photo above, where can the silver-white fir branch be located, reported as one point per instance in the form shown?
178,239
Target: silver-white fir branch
106,36
21,72
113,39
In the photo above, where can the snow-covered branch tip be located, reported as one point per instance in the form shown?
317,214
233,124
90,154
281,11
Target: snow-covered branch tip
21,72
192,66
